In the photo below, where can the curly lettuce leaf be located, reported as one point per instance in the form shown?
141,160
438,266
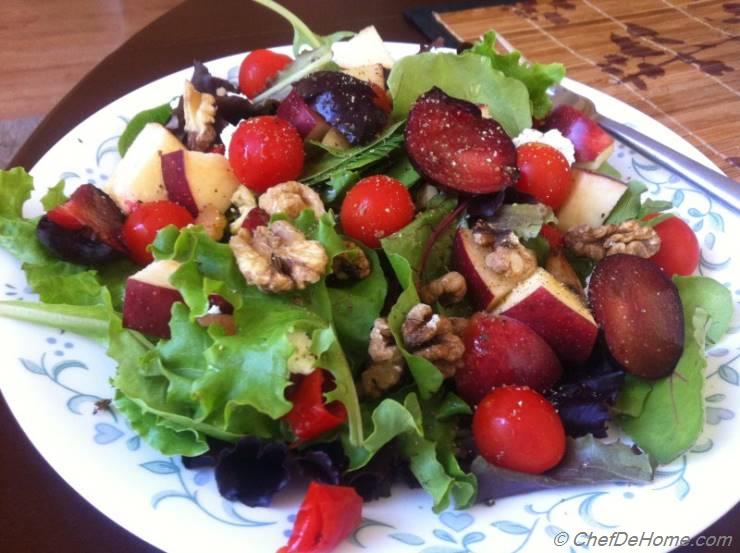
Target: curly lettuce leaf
15,188
467,76
537,77
672,414
54,197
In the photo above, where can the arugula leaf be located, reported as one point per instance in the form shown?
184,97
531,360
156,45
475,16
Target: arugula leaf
672,415
630,206
609,170
302,35
54,197
159,114
587,461
467,76
336,164
537,77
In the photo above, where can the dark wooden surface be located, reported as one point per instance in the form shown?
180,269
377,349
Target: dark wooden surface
39,512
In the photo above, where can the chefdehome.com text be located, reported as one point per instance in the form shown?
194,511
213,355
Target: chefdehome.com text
644,539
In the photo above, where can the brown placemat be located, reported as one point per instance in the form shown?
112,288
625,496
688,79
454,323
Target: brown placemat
676,60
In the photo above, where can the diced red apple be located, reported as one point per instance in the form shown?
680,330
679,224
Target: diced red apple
309,124
138,176
555,313
591,200
486,286
149,297
592,143
212,181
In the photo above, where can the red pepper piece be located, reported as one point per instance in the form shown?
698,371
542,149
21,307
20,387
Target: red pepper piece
327,516
552,234
310,416
65,217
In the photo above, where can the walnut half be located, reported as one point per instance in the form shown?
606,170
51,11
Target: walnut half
433,337
278,257
291,198
447,289
386,366
629,237
199,110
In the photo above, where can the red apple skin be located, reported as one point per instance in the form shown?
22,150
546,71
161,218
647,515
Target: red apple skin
147,307
571,336
176,181
640,310
586,135
501,351
464,264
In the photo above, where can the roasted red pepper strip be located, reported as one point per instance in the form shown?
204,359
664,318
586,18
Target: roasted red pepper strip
327,516
310,416
64,216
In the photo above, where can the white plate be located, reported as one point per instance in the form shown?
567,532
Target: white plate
51,379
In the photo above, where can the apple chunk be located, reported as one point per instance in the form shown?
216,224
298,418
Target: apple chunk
478,264
148,299
212,182
591,200
555,313
592,144
138,176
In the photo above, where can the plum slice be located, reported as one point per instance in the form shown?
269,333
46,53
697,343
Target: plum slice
86,229
452,144
345,102
640,312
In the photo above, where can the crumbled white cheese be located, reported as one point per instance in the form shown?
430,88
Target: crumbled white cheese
552,138
244,201
214,310
226,134
302,361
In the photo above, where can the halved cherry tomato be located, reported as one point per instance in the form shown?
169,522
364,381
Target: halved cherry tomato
258,68
311,416
679,248
543,173
265,151
327,516
552,234
374,208
517,428
141,226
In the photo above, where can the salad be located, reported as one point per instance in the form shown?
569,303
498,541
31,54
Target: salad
352,271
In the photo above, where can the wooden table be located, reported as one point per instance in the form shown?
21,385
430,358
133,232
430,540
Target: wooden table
39,512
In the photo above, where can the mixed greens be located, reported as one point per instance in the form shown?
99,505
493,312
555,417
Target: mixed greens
221,398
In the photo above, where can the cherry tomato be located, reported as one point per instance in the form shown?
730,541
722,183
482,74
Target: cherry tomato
679,248
544,173
517,428
552,234
327,516
141,226
374,208
258,68
311,416
265,151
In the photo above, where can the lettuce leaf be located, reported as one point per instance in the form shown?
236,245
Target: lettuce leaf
631,206
537,77
670,416
467,76
587,461
158,114
54,197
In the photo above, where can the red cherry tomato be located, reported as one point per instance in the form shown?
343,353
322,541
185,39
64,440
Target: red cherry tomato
311,416
517,428
544,173
141,226
258,68
327,516
679,249
265,151
374,208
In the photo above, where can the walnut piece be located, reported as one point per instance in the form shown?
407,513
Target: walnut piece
433,337
213,221
447,289
386,367
199,110
351,264
508,257
278,258
629,237
291,198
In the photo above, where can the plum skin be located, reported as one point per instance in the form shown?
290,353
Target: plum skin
80,246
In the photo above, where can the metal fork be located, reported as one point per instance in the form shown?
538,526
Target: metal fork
718,185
